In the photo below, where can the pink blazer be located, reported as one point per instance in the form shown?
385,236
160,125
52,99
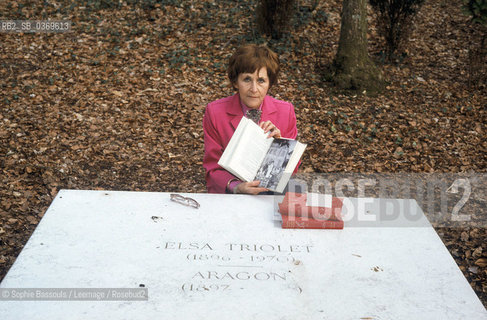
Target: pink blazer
219,123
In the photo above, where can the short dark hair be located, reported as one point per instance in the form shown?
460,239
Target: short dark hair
252,57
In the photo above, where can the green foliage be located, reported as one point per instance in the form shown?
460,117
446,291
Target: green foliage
151,4
394,19
94,5
304,13
477,9
180,57
101,4
274,16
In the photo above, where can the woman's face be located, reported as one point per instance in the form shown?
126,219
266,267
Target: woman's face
253,87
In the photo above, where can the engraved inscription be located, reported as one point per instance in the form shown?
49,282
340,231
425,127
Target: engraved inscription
242,275
232,263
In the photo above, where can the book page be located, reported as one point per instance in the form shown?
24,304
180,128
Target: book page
232,144
291,165
275,163
245,151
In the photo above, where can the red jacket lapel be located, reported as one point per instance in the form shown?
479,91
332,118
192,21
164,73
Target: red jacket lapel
234,111
268,110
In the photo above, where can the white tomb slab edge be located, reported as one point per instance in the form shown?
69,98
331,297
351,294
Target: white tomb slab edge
231,259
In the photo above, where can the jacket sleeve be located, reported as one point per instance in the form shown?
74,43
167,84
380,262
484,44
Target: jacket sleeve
216,177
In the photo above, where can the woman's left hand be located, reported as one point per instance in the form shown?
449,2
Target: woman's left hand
268,126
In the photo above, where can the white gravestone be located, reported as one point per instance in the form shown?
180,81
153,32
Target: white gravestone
230,259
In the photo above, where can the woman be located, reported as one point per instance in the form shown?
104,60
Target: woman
252,71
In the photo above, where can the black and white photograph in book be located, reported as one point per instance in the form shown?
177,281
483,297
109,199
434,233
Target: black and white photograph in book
275,163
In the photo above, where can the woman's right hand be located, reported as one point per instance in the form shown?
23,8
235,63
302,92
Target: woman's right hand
251,187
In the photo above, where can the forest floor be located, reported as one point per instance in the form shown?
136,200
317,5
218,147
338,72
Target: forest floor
117,104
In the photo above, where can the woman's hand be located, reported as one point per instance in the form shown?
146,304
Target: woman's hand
268,126
251,187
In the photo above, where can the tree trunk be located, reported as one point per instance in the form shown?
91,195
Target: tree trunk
352,68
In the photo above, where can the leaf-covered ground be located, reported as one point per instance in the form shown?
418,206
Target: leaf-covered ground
118,102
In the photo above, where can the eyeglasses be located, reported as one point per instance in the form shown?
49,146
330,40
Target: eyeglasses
187,201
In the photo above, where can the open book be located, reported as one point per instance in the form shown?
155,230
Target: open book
251,155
